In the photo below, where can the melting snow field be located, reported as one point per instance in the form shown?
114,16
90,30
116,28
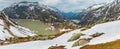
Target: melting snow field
15,30
9,29
62,40
111,32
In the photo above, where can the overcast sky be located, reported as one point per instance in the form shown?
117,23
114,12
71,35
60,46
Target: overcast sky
64,5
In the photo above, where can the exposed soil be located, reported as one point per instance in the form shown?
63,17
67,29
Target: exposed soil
109,45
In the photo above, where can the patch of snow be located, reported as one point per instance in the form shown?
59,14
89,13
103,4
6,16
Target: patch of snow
16,32
27,31
10,29
118,17
1,22
7,34
43,10
96,6
64,30
21,31
4,34
62,40
111,32
31,8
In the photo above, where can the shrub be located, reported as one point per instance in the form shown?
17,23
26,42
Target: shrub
81,42
75,36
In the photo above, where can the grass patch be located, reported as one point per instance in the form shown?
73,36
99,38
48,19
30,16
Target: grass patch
109,45
87,27
36,26
75,36
81,42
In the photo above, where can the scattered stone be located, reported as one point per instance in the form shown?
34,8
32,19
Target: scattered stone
81,42
57,47
75,36
96,34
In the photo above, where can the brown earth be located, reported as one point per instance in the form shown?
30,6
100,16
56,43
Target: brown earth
109,45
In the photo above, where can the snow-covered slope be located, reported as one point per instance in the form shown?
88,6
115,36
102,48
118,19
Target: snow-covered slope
100,13
9,29
62,40
96,6
111,32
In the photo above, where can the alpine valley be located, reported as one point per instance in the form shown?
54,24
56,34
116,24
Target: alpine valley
33,25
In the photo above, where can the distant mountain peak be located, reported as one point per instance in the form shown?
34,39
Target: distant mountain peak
33,10
100,13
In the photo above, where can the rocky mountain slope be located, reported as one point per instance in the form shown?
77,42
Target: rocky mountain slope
9,29
34,10
100,13
108,36
69,15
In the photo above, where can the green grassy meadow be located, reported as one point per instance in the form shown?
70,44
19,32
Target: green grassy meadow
36,26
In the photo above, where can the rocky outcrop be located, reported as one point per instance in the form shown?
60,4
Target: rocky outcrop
34,10
9,29
100,13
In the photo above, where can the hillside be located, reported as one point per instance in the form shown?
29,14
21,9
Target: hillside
100,13
97,27
108,36
35,11
9,29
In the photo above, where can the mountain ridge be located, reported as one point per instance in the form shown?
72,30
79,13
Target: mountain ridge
100,14
34,10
